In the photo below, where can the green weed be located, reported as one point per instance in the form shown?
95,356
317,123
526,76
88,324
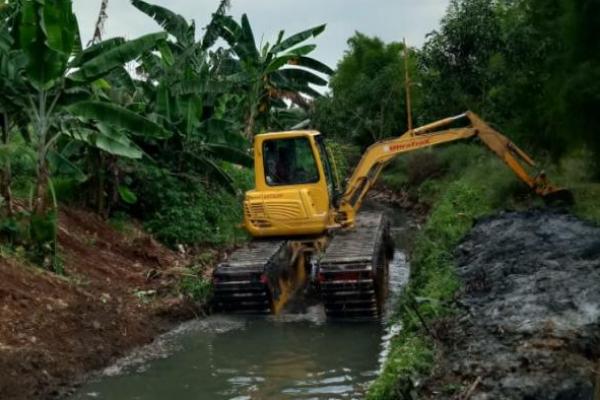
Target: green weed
177,211
575,173
196,287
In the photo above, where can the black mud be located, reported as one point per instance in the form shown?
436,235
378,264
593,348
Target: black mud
530,324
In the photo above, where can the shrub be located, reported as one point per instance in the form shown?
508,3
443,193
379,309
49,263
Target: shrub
179,211
195,287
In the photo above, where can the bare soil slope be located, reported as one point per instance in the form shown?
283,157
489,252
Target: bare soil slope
118,293
531,323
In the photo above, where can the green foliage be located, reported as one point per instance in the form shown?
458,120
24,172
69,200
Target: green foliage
573,173
119,117
75,125
42,236
368,92
456,58
14,230
474,184
115,57
21,158
179,211
173,23
269,75
46,34
343,158
195,286
581,80
410,357
127,195
54,98
123,223
586,203
529,66
189,100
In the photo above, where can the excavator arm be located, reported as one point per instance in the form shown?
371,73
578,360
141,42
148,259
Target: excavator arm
379,154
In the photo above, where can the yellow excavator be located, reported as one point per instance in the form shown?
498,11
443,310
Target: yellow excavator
307,234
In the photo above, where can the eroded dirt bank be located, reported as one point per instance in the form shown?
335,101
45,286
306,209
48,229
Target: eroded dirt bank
530,321
119,292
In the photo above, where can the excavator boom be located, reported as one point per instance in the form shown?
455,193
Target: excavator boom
379,154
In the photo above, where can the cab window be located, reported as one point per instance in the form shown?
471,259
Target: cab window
328,172
289,162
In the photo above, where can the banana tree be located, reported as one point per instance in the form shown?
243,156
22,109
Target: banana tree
188,94
273,73
62,81
11,85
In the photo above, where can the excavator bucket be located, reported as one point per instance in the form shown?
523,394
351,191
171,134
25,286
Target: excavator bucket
559,197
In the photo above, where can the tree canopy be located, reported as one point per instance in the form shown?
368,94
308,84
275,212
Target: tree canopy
529,66
367,99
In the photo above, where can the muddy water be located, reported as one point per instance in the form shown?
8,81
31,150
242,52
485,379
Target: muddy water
294,356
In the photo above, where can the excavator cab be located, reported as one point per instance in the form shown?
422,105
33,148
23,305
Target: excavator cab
294,193
294,188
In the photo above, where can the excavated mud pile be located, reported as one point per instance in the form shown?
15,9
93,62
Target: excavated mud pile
531,322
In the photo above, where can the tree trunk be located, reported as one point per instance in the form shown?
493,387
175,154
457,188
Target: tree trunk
6,173
6,193
112,196
250,121
254,97
99,27
40,199
100,185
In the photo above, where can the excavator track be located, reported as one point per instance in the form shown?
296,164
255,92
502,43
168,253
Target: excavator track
241,284
353,271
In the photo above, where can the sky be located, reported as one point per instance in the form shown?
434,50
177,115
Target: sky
391,20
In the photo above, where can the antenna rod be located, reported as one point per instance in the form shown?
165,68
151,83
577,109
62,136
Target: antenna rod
407,88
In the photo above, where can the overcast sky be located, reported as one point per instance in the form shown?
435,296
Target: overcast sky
391,20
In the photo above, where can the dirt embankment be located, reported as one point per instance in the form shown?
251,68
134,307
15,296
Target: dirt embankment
531,322
119,292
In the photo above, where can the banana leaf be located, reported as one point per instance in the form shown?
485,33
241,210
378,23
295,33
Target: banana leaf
221,131
46,32
213,170
127,195
108,140
302,50
310,63
115,57
228,29
230,154
298,38
95,50
61,164
246,40
118,117
117,143
301,76
174,24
